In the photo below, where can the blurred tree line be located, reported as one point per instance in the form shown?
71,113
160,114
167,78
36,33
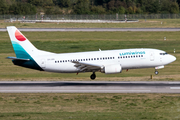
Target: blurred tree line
22,7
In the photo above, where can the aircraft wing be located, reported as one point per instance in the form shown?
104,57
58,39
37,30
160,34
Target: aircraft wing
83,67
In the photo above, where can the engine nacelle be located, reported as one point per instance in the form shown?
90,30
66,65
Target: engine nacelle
111,69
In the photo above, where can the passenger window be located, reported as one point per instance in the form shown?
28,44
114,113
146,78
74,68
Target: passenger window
94,58
97,58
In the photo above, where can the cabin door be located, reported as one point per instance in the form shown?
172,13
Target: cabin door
151,56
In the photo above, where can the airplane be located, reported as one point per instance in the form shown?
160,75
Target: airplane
106,61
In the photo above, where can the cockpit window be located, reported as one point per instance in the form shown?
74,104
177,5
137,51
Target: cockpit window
163,53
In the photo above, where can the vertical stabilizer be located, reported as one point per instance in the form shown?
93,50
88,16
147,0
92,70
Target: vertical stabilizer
23,48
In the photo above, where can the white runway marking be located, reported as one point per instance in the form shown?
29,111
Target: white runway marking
174,87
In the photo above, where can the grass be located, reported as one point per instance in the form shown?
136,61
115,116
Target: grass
149,23
89,106
78,41
62,42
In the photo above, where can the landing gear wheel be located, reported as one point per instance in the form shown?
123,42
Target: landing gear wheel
93,76
156,72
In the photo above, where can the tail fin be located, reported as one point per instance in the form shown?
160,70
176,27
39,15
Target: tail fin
23,48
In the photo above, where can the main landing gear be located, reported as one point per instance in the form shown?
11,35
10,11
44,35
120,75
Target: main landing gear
93,76
156,72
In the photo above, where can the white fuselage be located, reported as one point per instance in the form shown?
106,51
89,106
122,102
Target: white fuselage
126,58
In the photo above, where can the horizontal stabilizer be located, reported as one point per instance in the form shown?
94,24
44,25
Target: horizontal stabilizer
15,58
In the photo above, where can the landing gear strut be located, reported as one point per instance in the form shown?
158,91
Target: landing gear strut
156,72
93,76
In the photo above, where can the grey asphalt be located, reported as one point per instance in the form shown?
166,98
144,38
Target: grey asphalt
88,87
94,29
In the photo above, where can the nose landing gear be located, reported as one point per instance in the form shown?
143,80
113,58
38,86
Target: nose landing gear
93,76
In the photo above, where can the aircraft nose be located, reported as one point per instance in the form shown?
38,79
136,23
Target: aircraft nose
173,58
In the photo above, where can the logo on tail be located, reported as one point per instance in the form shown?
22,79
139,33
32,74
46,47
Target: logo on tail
19,36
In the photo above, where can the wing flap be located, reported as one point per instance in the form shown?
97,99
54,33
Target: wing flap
81,66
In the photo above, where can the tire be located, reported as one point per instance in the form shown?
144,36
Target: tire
93,76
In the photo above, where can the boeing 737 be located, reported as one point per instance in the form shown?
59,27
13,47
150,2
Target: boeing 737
106,61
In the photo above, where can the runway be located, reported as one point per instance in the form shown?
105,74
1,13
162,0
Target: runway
93,29
89,87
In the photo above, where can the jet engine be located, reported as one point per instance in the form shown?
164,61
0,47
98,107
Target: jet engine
111,69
